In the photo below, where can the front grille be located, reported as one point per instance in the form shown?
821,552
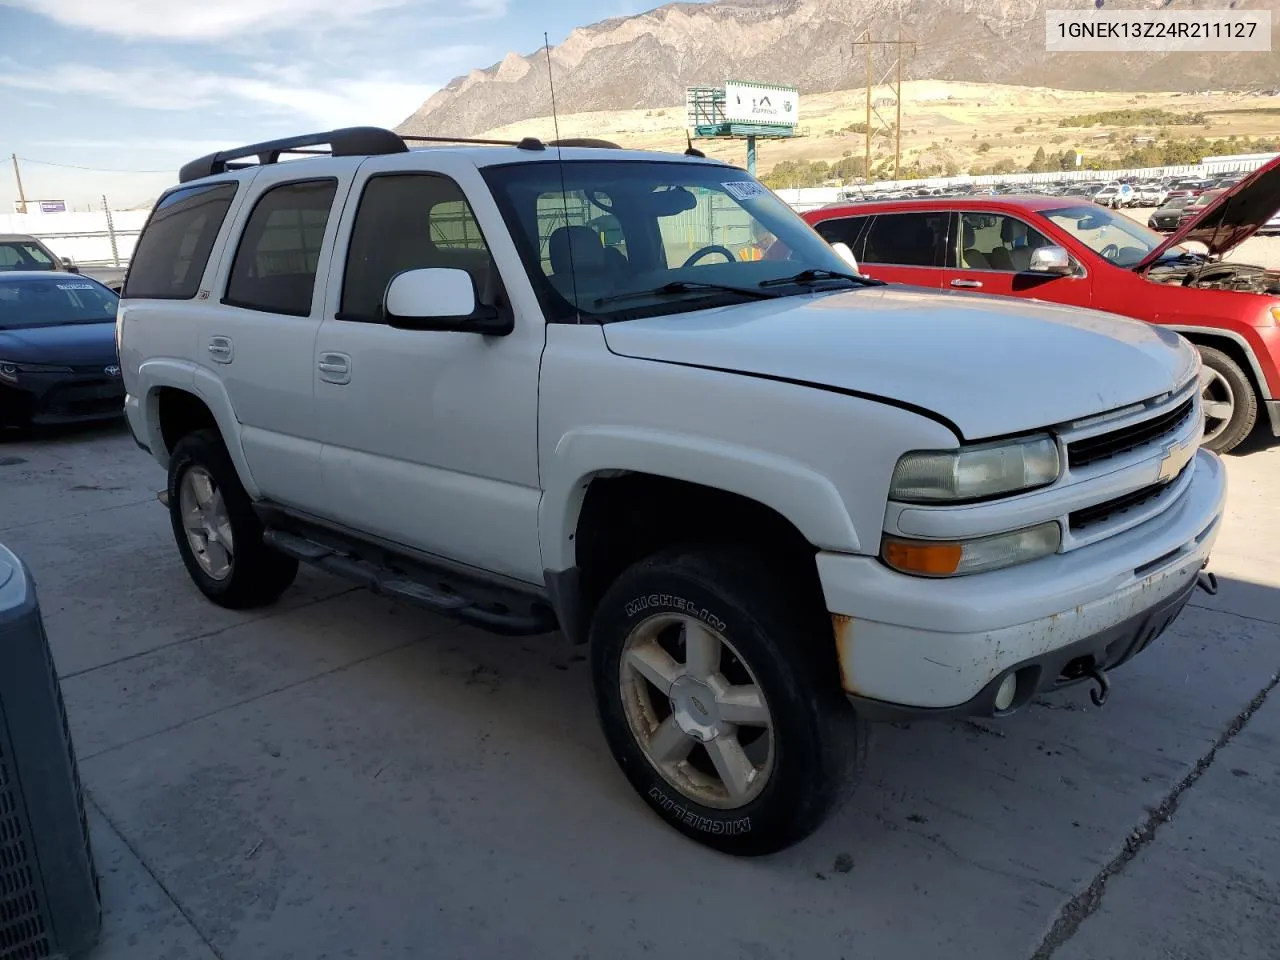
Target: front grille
1081,453
85,398
1110,509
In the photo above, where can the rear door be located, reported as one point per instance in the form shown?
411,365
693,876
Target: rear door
991,254
906,247
259,342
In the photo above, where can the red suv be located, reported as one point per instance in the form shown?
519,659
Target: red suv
1067,250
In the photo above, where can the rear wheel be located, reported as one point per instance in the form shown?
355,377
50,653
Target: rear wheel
1226,396
218,534
717,688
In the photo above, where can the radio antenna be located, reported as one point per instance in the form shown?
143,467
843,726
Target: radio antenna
564,188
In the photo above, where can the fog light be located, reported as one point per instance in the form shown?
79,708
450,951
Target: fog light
1004,695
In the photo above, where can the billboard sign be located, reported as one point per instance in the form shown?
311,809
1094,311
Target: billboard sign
765,104
53,206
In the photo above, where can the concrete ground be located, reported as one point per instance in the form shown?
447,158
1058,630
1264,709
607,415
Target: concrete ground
344,776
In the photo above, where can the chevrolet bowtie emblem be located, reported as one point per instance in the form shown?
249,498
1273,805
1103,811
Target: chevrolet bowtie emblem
1176,456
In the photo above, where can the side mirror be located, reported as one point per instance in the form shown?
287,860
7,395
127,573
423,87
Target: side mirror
440,298
69,265
1051,260
842,249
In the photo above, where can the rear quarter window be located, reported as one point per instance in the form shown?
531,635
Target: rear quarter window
175,245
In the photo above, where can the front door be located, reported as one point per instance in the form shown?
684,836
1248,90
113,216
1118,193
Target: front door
430,438
991,254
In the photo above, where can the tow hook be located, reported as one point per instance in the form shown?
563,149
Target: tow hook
1207,582
1098,696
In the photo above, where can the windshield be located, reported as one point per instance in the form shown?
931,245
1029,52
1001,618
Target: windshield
1111,235
613,240
52,301
24,255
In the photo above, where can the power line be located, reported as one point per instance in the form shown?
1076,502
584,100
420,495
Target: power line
72,166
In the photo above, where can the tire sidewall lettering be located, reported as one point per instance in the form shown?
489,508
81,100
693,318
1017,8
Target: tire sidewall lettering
681,813
660,601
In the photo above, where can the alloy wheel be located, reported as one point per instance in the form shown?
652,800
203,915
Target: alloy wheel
1218,401
207,525
696,711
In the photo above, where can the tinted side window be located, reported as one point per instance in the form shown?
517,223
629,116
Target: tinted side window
408,222
275,265
174,248
907,239
849,230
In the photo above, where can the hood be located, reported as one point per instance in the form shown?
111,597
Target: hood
79,344
990,365
1232,218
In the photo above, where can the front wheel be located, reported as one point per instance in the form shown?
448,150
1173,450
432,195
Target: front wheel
218,534
1226,396
718,691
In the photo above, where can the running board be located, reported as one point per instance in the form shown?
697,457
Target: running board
453,601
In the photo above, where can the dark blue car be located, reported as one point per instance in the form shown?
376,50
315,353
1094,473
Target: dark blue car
58,360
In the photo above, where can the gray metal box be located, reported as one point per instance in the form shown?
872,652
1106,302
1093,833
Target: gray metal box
49,902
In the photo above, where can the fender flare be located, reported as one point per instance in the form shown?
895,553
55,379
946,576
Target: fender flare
804,497
1264,390
200,383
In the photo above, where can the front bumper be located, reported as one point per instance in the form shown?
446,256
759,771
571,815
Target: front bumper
911,645
57,398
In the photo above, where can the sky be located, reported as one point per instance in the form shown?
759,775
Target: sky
135,88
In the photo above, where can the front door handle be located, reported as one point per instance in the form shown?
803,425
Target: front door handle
335,368
220,349
967,284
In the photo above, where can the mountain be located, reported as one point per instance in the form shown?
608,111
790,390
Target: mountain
647,60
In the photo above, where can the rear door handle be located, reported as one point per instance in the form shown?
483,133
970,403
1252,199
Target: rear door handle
220,349
335,368
967,284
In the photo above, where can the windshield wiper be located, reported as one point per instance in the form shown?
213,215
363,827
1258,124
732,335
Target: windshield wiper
816,275
686,286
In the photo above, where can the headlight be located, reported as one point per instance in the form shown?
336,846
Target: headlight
972,473
9,371
955,558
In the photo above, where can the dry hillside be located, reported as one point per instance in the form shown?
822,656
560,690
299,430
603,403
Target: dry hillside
970,124
646,61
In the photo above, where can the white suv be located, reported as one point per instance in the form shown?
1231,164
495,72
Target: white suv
632,396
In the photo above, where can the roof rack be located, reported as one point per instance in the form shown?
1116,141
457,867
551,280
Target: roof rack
345,142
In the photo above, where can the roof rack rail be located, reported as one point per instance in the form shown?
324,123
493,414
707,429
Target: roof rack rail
585,142
351,142
528,143
345,142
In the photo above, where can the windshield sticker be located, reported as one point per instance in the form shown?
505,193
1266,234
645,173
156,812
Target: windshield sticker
744,189
75,286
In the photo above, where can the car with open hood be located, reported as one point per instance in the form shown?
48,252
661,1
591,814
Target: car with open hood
1078,254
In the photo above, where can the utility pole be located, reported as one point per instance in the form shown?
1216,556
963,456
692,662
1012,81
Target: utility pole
897,46
897,95
22,197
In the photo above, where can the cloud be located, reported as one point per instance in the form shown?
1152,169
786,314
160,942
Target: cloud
313,95
195,21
